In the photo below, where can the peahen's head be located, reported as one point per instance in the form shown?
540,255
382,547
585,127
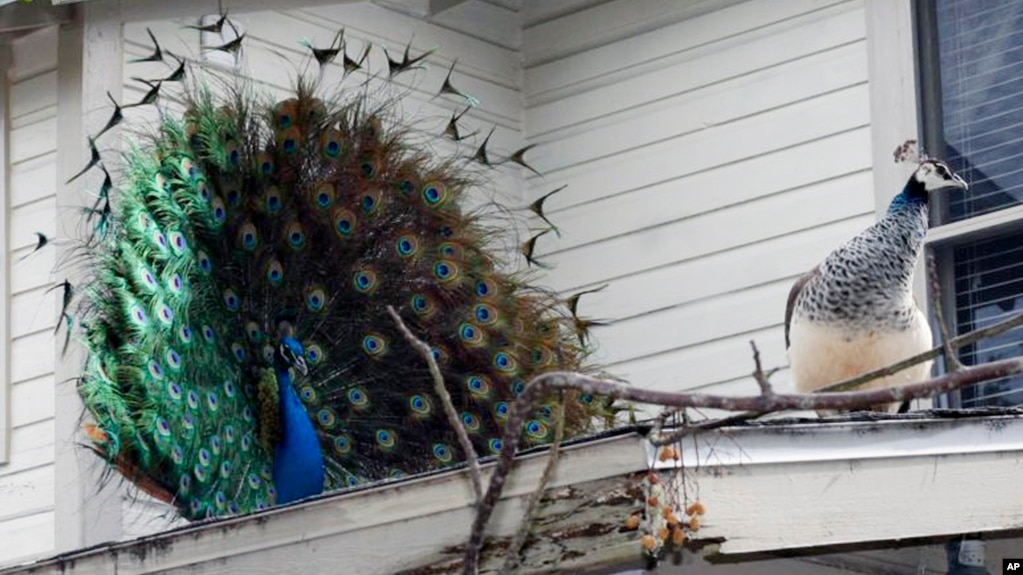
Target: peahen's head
290,354
935,175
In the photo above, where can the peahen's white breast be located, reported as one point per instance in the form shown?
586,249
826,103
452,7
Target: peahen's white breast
821,355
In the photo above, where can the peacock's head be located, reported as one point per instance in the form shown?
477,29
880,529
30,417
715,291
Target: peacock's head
936,175
290,354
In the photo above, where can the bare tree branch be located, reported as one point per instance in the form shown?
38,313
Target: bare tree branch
515,551
950,355
441,390
758,373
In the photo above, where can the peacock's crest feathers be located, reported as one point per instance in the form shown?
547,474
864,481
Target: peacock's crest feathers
242,221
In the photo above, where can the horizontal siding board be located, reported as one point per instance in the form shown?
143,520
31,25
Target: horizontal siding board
27,491
26,537
32,95
32,311
703,365
710,190
38,216
32,445
32,179
35,139
703,278
663,161
695,111
689,325
30,271
718,64
656,48
747,223
36,400
32,356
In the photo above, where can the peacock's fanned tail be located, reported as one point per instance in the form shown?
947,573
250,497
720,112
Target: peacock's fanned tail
241,220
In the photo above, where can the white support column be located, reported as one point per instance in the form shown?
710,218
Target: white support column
893,107
5,266
87,509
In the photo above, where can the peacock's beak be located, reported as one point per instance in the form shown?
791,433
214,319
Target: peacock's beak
300,365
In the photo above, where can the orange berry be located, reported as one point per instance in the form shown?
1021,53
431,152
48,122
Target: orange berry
652,478
648,542
678,537
632,522
652,502
694,523
662,533
667,453
695,509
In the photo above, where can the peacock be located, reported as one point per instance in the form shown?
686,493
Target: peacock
239,351
855,312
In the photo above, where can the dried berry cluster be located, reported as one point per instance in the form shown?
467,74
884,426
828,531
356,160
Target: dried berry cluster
667,519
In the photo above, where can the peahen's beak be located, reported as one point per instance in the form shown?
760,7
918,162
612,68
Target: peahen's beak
300,365
959,182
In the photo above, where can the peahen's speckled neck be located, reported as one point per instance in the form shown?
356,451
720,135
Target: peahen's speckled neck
298,460
867,283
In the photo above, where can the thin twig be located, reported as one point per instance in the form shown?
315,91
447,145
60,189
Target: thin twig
758,373
955,343
513,558
950,355
445,398
559,380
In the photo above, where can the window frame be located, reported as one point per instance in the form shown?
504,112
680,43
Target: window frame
944,237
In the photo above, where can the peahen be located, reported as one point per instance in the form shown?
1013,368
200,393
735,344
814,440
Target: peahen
855,312
240,354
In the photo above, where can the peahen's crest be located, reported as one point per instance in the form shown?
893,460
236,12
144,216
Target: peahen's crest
240,273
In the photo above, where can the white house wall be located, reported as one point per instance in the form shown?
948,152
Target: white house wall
27,481
713,152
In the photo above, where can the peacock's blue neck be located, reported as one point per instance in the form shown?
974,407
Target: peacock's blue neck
298,460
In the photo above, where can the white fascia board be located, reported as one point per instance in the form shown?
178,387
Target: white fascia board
865,484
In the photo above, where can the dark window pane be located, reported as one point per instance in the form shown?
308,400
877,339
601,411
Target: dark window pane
989,289
980,47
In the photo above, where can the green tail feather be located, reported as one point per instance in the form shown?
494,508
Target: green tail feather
243,221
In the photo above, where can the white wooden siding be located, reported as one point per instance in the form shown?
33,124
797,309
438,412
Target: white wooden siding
27,481
713,152
483,38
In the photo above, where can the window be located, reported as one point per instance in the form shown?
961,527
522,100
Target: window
971,98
